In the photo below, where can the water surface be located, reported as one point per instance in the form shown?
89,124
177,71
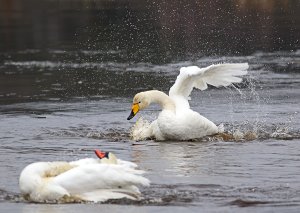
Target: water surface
62,99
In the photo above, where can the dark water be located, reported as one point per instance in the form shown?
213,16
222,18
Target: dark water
151,31
68,71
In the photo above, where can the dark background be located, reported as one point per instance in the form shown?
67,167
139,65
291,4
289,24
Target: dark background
55,50
152,31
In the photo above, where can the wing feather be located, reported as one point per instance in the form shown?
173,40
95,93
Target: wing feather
88,178
216,75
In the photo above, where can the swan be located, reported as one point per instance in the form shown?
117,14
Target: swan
177,121
88,179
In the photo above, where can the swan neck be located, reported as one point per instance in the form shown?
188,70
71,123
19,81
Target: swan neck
162,99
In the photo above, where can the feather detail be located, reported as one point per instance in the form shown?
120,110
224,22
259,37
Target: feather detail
86,179
215,75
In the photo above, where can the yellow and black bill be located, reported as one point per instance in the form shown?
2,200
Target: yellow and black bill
134,109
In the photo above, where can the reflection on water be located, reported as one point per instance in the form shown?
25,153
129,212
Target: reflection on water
53,75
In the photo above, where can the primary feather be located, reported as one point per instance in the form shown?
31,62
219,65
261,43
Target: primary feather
216,75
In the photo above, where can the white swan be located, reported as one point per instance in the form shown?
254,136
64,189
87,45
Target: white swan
87,179
177,121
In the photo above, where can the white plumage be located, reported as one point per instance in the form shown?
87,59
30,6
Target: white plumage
177,121
216,75
83,180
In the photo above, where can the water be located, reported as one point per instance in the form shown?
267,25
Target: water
63,101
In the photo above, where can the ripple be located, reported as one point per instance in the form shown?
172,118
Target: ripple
10,196
57,64
247,203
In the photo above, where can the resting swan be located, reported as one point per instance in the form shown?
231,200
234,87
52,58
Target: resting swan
87,179
177,121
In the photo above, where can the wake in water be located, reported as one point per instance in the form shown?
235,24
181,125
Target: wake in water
245,131
233,132
142,126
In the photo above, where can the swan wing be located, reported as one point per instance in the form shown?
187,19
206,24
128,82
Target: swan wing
88,161
216,75
92,180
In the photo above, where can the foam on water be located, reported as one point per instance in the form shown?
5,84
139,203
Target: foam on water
244,132
140,129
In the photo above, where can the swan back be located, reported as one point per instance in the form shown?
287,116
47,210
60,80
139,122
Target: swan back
86,179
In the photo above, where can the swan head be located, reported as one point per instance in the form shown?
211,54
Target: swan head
140,102
106,157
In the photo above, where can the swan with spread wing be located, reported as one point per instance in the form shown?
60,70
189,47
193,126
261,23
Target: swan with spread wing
177,121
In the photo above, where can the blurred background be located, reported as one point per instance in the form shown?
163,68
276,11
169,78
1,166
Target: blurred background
57,49
148,30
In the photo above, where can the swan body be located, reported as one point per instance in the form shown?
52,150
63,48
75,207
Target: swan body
177,121
89,179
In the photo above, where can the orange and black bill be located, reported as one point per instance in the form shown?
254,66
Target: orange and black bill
101,154
135,108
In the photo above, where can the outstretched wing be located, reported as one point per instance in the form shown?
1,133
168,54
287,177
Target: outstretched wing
216,75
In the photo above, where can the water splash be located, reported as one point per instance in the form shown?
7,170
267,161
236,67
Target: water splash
141,130
234,132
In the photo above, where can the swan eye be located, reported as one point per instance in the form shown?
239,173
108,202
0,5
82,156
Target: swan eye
140,102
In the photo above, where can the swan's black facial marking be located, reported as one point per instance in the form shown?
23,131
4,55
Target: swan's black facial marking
106,155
